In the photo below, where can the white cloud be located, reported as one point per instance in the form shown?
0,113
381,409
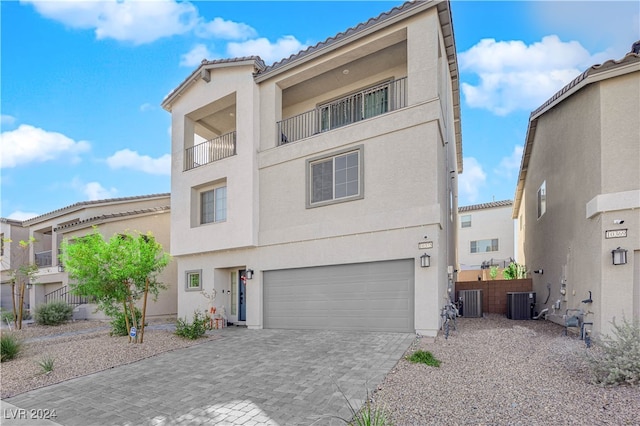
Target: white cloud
510,166
146,107
7,120
95,191
269,52
513,75
127,159
228,30
20,215
194,57
28,144
470,181
137,21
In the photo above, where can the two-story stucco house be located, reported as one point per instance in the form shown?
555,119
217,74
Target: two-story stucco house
11,256
147,213
578,196
485,238
306,192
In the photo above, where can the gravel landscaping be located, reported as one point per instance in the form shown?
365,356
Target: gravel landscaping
493,371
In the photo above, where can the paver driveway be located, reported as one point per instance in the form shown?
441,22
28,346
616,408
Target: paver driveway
246,377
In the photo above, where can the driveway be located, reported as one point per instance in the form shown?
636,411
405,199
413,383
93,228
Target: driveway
245,377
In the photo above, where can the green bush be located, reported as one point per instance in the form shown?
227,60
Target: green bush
53,313
7,316
46,364
10,346
119,325
616,360
192,330
424,357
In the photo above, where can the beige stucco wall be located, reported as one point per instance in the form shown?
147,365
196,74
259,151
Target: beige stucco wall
585,148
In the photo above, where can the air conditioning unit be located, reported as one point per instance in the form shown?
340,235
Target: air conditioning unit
471,303
520,305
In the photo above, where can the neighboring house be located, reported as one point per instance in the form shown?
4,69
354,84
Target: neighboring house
301,191
11,233
111,216
485,238
578,196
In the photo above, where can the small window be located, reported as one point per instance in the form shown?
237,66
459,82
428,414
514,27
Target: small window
213,205
193,280
335,178
542,199
484,246
465,221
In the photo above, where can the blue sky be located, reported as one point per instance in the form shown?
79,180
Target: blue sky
82,81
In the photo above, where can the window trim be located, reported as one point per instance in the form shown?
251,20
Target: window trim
462,222
497,240
196,202
187,280
310,161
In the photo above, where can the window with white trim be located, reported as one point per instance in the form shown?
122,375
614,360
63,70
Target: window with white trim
542,199
465,221
483,246
213,205
335,178
193,280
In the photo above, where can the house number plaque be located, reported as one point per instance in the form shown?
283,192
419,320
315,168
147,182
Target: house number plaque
615,233
425,245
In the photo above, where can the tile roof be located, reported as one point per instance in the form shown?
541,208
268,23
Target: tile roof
504,203
81,204
161,209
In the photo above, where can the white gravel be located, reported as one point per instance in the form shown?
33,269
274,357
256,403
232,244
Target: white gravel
496,371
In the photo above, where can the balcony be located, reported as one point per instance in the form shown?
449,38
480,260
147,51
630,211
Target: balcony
43,259
367,103
212,150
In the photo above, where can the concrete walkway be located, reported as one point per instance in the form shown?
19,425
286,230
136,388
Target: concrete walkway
246,377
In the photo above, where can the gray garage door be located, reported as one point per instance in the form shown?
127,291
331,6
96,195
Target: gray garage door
375,296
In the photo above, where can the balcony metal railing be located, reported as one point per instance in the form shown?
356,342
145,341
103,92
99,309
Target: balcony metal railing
367,103
43,259
212,150
65,294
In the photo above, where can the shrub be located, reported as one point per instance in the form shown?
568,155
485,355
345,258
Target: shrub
53,313
7,316
424,357
192,330
10,346
46,364
119,324
616,360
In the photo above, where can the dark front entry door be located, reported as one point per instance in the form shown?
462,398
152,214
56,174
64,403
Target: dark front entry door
242,292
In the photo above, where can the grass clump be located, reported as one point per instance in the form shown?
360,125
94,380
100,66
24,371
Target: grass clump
616,360
424,357
192,330
46,364
53,313
10,346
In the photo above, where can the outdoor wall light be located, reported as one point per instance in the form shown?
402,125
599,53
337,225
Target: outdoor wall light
425,260
619,256
249,274
539,271
60,267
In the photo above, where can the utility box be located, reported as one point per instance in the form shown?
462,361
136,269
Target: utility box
520,305
471,303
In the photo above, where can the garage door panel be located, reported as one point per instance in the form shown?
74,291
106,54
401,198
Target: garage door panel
374,296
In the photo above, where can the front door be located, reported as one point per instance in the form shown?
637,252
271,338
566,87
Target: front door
242,291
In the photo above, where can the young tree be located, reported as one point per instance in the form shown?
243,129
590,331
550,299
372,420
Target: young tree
117,272
22,274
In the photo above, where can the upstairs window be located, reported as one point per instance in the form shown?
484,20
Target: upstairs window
213,205
335,178
542,199
484,246
465,221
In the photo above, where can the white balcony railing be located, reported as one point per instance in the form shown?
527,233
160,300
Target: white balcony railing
364,104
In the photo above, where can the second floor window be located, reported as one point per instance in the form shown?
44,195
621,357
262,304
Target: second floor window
483,246
213,205
465,221
335,178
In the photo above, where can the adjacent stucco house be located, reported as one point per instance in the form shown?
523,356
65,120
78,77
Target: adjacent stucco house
306,192
128,214
11,256
578,196
485,238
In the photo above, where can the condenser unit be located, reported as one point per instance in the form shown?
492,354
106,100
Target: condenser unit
520,305
471,303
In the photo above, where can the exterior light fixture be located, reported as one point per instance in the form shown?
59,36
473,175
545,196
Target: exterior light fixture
539,271
425,260
619,256
60,267
249,274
